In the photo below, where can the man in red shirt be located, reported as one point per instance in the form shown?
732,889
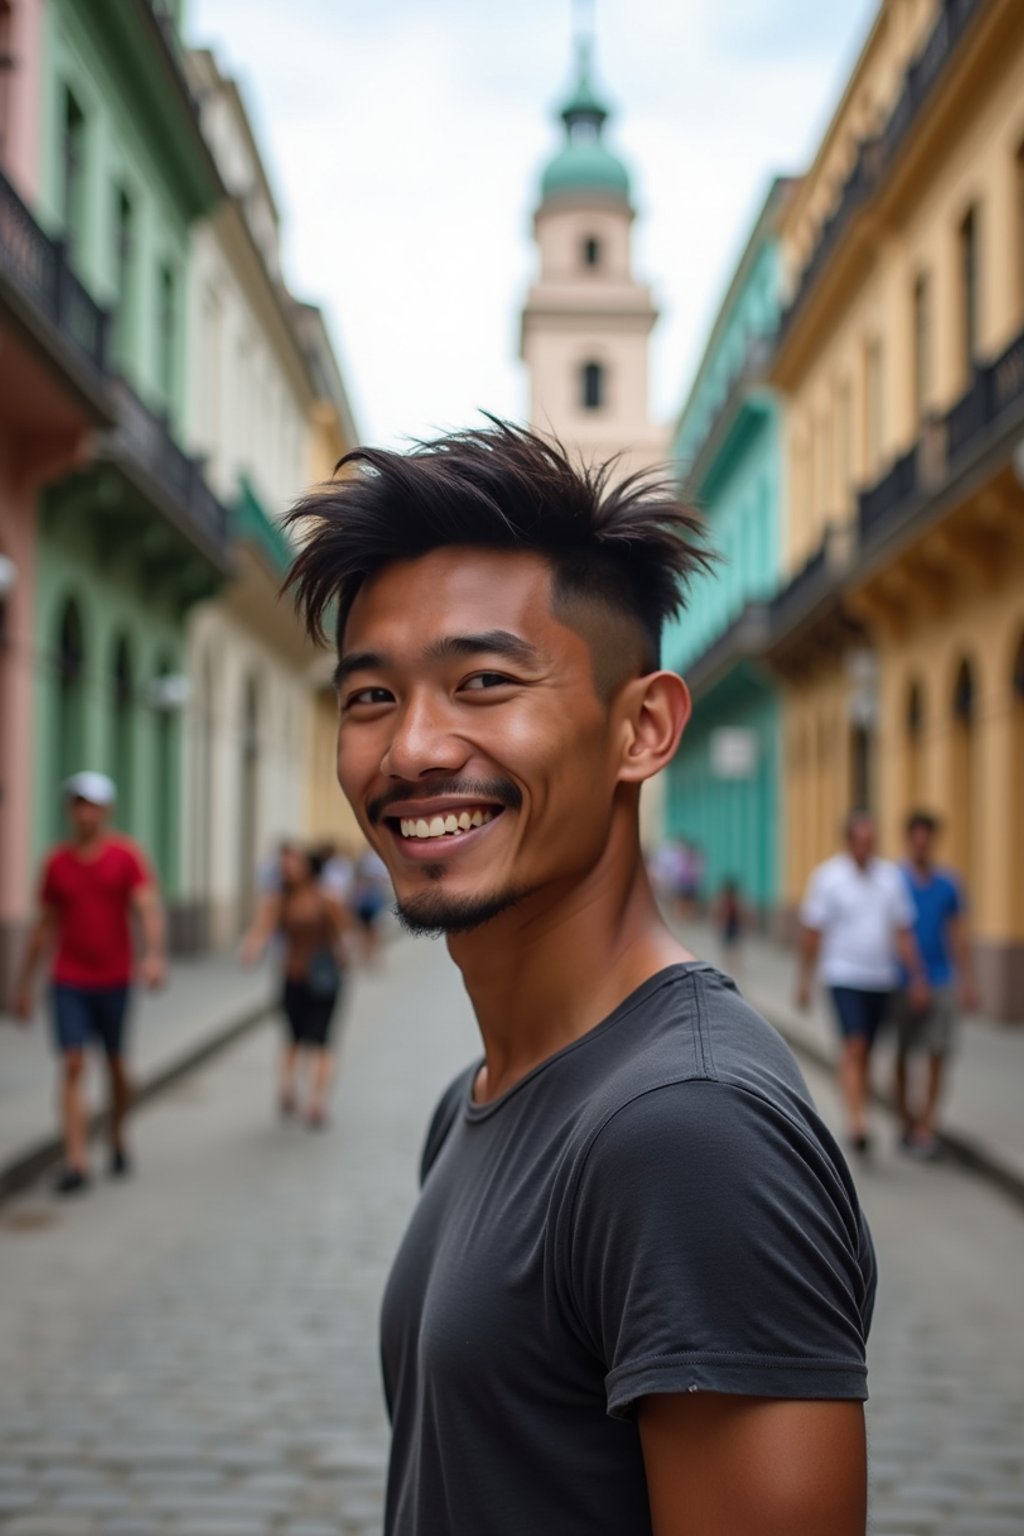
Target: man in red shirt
90,888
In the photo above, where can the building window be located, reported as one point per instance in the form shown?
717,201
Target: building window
922,346
1019,188
124,269
968,240
166,322
123,689
591,251
963,786
873,407
844,434
914,745
73,166
593,386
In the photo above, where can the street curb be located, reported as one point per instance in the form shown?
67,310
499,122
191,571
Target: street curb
27,1165
974,1155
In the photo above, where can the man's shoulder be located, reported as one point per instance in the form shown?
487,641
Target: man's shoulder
706,1035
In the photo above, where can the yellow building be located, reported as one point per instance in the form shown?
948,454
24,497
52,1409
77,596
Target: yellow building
331,433
900,634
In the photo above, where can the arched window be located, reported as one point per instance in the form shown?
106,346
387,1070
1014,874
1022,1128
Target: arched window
165,783
591,251
123,732
248,799
592,386
962,771
1017,799
70,691
914,750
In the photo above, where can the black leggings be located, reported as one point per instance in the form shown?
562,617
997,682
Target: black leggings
309,1014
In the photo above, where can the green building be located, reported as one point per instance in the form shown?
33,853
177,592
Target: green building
132,538
723,789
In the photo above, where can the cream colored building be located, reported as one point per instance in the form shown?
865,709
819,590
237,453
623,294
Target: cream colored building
255,406
901,354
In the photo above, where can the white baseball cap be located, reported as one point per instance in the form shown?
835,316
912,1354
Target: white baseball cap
97,788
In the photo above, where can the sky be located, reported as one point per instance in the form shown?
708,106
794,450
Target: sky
405,142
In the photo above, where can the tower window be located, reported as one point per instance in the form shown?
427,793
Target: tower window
591,251
592,380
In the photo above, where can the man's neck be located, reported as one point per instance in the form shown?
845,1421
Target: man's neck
547,972
922,868
89,847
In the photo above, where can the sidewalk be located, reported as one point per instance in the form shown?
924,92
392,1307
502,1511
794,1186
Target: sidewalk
206,1003
982,1123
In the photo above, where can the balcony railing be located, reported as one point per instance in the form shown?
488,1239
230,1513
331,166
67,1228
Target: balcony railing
947,442
794,594
144,439
875,156
38,268
750,373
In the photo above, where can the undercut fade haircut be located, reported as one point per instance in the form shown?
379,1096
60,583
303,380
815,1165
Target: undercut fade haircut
633,546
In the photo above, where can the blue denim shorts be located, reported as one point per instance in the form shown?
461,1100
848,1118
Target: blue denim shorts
81,1014
860,1013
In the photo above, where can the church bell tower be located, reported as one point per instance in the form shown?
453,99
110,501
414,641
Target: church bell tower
587,320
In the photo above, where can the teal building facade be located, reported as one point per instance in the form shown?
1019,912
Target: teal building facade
723,786
132,537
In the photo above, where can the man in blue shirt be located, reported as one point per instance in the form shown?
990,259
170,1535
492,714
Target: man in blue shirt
945,953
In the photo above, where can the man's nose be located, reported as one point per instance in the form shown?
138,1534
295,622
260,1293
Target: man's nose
424,741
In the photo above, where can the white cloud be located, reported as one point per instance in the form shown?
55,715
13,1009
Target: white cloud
405,144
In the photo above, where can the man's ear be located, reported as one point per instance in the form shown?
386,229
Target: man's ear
655,710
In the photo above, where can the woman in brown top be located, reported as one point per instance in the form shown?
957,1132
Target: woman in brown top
310,923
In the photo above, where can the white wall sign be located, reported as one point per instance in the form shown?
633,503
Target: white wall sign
733,752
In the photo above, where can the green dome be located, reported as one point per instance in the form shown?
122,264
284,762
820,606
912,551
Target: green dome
585,167
584,164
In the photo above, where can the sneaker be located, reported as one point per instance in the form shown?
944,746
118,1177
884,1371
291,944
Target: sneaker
286,1105
120,1164
861,1144
925,1148
71,1182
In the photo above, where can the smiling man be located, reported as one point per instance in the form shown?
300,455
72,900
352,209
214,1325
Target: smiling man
634,1293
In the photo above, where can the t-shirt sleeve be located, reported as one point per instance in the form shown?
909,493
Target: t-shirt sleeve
814,910
717,1247
137,871
48,894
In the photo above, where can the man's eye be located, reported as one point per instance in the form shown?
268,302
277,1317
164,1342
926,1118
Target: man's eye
482,680
367,696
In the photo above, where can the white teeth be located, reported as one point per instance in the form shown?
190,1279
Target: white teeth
444,826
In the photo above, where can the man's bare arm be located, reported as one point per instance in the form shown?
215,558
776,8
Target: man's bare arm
720,1465
146,902
262,927
910,959
810,944
39,941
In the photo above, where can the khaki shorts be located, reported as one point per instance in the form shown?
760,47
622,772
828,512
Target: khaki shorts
931,1033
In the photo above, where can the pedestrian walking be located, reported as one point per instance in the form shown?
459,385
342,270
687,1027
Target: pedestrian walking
929,1032
634,1293
857,927
729,922
371,888
309,924
91,888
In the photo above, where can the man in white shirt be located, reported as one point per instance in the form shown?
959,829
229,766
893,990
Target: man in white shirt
857,926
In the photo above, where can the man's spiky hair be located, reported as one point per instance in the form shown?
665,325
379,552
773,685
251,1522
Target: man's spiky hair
633,545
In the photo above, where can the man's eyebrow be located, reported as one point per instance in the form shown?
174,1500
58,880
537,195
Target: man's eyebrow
493,642
358,661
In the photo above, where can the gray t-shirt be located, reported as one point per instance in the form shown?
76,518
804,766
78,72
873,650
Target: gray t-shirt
656,1208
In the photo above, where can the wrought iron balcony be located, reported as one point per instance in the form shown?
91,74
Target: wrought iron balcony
142,446
751,373
51,299
875,156
992,402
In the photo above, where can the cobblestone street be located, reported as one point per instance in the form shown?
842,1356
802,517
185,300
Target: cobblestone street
195,1352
